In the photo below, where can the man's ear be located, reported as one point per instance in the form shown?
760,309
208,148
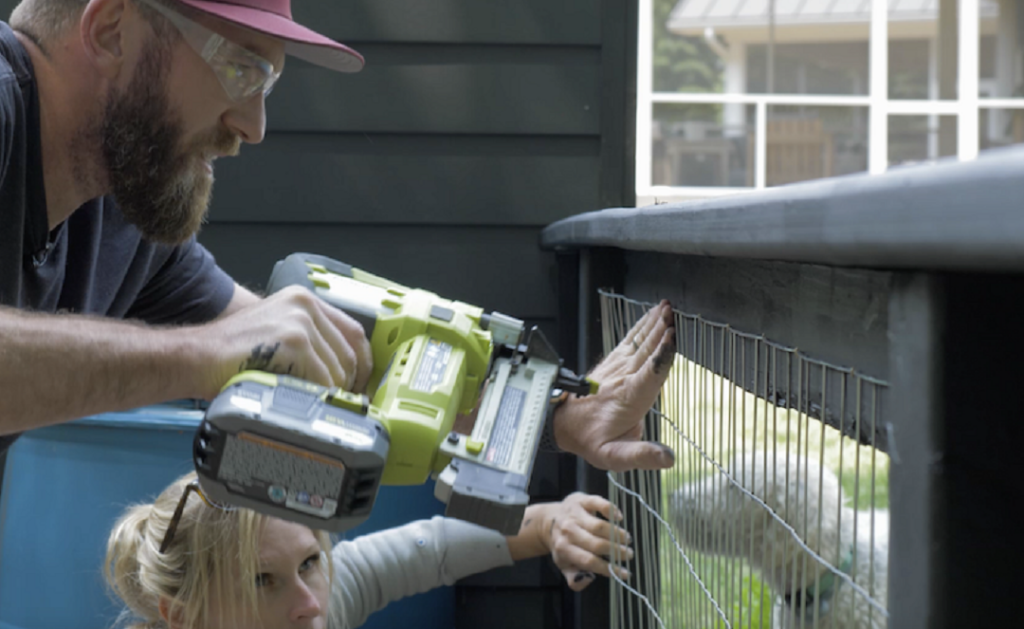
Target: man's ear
103,29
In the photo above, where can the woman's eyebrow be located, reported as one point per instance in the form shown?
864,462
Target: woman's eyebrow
313,549
266,564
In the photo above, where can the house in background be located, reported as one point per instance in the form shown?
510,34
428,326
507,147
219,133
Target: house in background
821,48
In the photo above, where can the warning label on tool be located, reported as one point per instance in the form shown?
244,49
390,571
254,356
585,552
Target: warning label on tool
506,425
433,365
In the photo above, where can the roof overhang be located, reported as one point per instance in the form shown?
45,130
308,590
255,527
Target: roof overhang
800,21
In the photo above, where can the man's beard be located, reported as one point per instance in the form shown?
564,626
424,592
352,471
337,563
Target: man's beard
161,187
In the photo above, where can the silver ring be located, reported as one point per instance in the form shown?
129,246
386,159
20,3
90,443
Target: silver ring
636,346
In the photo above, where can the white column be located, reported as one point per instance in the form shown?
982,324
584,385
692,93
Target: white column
878,125
970,50
761,146
735,115
933,95
644,89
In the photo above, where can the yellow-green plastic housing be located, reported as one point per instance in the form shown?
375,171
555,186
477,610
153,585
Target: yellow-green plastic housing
418,420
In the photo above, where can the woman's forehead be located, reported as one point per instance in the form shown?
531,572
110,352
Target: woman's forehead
286,540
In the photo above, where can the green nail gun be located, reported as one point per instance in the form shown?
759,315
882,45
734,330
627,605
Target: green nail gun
316,455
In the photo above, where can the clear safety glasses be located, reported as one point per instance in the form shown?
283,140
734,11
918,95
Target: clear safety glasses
241,72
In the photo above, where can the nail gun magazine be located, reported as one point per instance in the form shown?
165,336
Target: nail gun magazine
299,451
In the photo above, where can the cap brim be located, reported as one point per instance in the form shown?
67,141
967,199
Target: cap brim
299,41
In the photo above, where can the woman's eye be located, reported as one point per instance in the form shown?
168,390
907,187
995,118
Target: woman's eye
263,580
310,562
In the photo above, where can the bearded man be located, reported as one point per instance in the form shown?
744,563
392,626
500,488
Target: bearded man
112,114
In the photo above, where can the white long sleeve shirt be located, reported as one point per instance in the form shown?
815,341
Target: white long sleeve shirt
376,569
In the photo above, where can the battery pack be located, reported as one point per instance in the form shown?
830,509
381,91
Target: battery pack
291,449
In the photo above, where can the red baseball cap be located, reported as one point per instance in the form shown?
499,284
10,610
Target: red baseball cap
274,18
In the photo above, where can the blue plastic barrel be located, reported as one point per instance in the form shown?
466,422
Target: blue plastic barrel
64,486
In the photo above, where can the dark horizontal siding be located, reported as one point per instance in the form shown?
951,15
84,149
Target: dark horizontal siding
394,180
462,21
546,92
498,268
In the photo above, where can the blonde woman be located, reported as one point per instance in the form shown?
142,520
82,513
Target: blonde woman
185,562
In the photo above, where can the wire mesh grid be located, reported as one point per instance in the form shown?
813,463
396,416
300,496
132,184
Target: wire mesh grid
775,512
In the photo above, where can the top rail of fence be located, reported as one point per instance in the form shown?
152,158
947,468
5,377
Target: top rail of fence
949,215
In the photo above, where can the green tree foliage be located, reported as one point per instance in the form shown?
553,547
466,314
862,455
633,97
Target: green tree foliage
682,64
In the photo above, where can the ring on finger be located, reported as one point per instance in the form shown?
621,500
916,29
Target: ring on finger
636,346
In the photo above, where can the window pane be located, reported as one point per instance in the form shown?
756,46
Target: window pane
816,46
914,139
811,68
1001,127
703,145
1001,64
805,143
923,49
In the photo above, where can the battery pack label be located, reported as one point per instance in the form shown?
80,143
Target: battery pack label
503,437
268,470
433,365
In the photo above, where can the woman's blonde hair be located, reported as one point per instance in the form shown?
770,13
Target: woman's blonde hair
213,556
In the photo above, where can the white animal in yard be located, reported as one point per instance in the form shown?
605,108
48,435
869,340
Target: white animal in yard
715,516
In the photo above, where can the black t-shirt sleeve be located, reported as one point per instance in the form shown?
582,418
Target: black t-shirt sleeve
7,119
188,287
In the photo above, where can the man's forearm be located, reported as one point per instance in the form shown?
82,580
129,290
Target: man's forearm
242,298
55,368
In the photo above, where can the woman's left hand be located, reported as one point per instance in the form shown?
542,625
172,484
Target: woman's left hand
581,543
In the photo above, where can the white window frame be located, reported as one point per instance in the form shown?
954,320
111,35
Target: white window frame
966,109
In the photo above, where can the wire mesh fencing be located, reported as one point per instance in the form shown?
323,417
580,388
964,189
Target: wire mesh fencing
775,513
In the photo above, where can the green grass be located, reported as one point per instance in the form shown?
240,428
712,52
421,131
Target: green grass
740,594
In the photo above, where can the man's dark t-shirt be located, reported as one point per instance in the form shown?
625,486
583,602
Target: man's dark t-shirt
95,262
